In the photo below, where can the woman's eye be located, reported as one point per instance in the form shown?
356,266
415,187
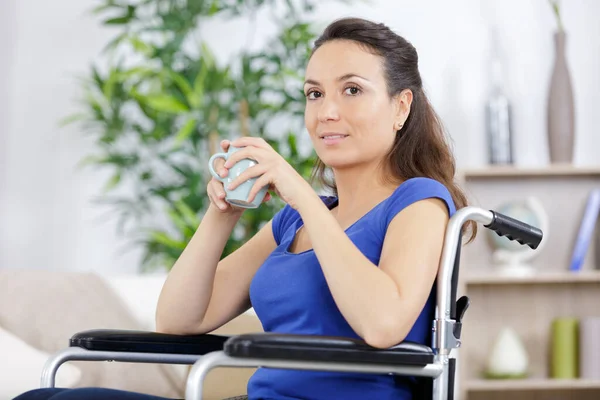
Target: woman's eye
313,94
352,90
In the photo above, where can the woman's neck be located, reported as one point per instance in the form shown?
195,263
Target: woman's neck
360,190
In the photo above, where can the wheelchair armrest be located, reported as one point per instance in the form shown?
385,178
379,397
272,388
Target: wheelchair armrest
324,348
147,342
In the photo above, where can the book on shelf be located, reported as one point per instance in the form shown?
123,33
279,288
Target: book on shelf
586,230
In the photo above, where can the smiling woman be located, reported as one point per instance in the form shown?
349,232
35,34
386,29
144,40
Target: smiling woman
365,78
347,97
360,263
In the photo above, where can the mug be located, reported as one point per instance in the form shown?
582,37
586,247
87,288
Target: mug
238,196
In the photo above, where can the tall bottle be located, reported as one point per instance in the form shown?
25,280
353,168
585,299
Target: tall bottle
498,119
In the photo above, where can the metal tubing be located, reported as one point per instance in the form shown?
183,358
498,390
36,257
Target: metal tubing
78,354
219,359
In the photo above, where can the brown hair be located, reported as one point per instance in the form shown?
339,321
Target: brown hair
420,148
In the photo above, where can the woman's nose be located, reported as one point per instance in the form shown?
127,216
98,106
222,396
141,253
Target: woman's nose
328,110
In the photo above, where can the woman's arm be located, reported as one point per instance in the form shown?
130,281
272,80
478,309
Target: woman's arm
202,293
380,303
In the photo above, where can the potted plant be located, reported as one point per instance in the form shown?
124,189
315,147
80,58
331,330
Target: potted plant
157,110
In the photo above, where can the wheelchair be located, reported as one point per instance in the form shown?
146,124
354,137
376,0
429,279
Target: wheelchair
432,367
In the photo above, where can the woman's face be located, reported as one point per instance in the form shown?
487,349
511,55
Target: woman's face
349,114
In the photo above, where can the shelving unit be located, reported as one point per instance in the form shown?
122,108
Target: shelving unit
482,385
541,278
529,172
527,304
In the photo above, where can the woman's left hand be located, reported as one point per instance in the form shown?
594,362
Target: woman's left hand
272,170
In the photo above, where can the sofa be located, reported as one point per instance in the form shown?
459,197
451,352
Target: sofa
41,309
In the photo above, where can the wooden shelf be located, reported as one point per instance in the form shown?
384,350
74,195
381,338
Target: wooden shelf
483,385
502,171
528,304
541,278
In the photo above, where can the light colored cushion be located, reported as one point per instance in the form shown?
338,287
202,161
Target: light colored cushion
21,367
45,308
140,294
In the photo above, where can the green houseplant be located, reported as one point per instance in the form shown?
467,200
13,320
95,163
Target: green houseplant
158,107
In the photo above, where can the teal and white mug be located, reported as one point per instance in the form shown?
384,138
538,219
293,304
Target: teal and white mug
238,196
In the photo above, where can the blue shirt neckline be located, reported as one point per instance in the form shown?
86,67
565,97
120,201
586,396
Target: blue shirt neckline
331,202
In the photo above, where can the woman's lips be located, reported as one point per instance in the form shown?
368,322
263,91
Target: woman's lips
333,138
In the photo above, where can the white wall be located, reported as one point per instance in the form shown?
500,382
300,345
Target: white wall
6,61
453,41
47,218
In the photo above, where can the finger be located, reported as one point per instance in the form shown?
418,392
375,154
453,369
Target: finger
250,141
218,190
225,144
267,197
219,163
217,196
252,153
258,185
219,166
212,200
250,173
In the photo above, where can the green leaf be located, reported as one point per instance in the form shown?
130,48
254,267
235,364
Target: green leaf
185,131
125,19
89,160
180,223
214,7
117,20
164,239
114,43
189,214
140,46
103,7
208,64
185,87
113,182
109,84
293,144
96,78
71,119
140,70
165,103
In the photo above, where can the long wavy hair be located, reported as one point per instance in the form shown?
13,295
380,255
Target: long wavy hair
420,148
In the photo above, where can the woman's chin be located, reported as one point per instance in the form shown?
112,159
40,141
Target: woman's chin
337,162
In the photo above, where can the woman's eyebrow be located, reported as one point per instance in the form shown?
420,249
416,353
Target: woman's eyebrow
341,78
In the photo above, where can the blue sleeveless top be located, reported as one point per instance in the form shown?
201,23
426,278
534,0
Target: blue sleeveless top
290,295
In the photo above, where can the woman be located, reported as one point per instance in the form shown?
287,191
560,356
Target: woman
361,263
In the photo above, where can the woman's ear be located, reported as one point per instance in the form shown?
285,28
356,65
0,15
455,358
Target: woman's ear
403,101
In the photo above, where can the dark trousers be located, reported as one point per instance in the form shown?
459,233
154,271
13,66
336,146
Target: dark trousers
92,394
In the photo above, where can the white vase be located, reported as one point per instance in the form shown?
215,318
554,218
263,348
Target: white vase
508,357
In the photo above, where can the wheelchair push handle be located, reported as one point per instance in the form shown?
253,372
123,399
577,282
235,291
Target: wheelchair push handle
514,229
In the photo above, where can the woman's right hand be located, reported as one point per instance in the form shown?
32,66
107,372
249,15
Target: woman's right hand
216,189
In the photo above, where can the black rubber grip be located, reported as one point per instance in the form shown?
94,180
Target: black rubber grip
515,230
